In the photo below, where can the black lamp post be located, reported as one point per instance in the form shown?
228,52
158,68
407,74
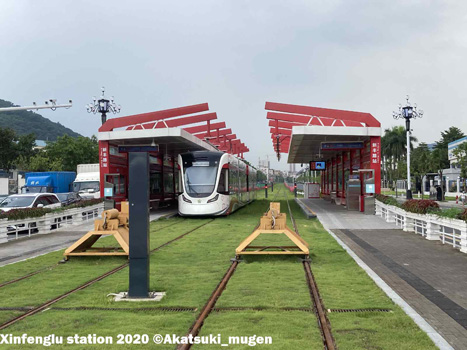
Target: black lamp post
408,112
103,106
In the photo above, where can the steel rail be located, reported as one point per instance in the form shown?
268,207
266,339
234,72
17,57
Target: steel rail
51,267
323,322
196,327
45,305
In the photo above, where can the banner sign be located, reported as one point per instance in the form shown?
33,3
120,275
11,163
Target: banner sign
128,149
339,146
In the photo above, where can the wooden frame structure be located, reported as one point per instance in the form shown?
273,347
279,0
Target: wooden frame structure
113,223
273,222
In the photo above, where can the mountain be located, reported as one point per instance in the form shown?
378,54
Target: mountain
26,122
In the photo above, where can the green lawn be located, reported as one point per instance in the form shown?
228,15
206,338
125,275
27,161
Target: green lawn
188,270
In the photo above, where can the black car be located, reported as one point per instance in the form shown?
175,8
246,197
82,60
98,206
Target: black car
69,198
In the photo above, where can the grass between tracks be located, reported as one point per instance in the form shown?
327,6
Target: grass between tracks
188,270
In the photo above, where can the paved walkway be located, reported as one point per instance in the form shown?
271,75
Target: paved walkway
30,247
429,276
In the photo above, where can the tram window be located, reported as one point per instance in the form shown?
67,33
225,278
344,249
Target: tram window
155,183
223,186
168,182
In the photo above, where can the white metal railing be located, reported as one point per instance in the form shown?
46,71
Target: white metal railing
449,235
50,222
432,227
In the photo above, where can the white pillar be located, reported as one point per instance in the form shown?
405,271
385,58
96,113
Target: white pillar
431,229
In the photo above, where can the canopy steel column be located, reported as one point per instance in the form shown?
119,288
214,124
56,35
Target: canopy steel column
139,224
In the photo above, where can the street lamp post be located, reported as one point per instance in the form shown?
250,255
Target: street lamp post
408,112
103,106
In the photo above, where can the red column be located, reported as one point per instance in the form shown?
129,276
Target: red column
337,177
375,163
104,163
332,175
343,172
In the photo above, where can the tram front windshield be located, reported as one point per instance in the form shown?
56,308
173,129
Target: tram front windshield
200,175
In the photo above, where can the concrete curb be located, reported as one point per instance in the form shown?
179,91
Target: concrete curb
310,214
437,339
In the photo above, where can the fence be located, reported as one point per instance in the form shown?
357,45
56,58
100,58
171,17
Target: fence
432,227
50,222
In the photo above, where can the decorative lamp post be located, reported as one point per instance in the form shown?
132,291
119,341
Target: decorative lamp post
103,106
408,112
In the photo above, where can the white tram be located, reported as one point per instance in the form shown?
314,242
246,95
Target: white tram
214,183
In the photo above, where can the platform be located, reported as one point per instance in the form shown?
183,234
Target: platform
429,276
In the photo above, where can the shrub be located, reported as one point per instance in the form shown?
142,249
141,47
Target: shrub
20,214
84,203
420,206
387,200
451,213
462,215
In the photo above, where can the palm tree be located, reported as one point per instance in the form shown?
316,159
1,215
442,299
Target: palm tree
394,149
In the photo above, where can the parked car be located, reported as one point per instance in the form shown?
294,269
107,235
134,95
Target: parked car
30,200
2,197
69,198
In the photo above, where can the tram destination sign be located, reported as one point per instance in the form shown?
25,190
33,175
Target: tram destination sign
338,146
137,148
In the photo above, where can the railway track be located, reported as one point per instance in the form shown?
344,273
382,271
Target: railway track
320,311
48,303
51,267
318,307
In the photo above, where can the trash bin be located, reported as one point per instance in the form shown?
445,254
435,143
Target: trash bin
439,193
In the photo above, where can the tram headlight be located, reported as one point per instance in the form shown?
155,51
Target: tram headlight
214,199
186,199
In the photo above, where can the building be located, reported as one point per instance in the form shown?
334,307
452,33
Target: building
452,182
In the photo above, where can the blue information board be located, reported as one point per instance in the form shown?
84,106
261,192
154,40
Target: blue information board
317,165
108,192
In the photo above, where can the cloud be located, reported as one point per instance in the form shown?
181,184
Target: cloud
151,55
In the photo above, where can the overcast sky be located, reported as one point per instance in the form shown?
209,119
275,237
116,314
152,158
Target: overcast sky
151,55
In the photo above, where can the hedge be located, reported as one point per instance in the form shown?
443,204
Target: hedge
27,213
387,200
420,206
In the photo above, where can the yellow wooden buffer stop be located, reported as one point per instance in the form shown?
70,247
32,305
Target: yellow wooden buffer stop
273,222
113,223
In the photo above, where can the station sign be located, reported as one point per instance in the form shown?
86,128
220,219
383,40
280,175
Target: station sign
340,146
137,148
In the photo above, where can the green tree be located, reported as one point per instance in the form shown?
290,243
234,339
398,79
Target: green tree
70,151
421,163
440,158
461,158
394,151
8,150
42,162
25,145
